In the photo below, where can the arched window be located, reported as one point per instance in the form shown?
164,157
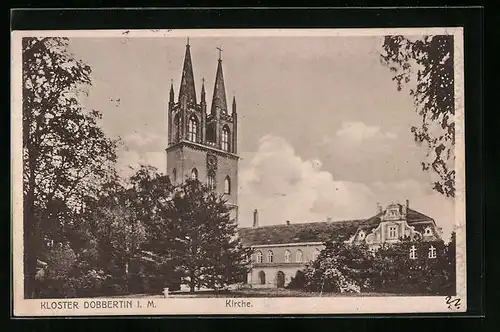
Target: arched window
428,231
288,254
262,277
269,256
211,181
299,256
194,174
193,129
258,256
174,175
227,185
177,127
225,138
316,254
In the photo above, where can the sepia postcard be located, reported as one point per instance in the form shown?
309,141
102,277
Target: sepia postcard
238,172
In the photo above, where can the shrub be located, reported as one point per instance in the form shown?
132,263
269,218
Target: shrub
353,268
297,282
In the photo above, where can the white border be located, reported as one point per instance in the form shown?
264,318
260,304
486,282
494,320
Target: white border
193,306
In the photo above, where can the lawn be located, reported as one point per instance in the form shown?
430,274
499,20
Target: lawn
257,292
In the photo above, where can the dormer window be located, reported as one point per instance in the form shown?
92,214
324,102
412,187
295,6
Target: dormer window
392,232
428,231
361,235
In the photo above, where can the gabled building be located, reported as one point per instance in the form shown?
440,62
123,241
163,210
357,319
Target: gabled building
281,250
397,221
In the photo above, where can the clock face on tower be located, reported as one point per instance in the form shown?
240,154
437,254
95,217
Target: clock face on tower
211,163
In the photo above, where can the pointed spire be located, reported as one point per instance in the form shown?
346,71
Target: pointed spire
187,88
219,99
171,90
203,89
234,104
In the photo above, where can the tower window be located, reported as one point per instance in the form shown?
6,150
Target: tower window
211,181
194,174
225,138
174,175
227,186
193,129
177,127
270,256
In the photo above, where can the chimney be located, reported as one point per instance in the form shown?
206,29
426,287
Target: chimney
379,207
255,218
288,222
407,203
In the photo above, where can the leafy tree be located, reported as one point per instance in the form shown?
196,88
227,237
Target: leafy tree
425,66
205,243
344,267
60,259
451,263
66,156
116,224
396,272
339,268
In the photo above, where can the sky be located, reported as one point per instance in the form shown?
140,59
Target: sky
323,131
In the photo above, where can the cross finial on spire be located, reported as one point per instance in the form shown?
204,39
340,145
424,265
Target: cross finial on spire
220,52
187,41
203,80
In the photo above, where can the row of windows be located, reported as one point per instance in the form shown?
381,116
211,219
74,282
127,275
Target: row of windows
432,253
299,256
210,180
193,132
392,232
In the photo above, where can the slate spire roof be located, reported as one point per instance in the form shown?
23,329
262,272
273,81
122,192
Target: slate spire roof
187,89
219,98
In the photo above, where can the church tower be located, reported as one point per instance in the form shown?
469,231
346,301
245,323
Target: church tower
202,143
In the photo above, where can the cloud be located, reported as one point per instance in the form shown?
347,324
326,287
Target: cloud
283,186
140,149
359,131
143,140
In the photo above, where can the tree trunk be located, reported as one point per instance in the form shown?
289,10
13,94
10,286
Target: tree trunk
31,233
126,276
192,282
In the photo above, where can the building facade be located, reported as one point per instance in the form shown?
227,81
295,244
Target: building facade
202,140
282,250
